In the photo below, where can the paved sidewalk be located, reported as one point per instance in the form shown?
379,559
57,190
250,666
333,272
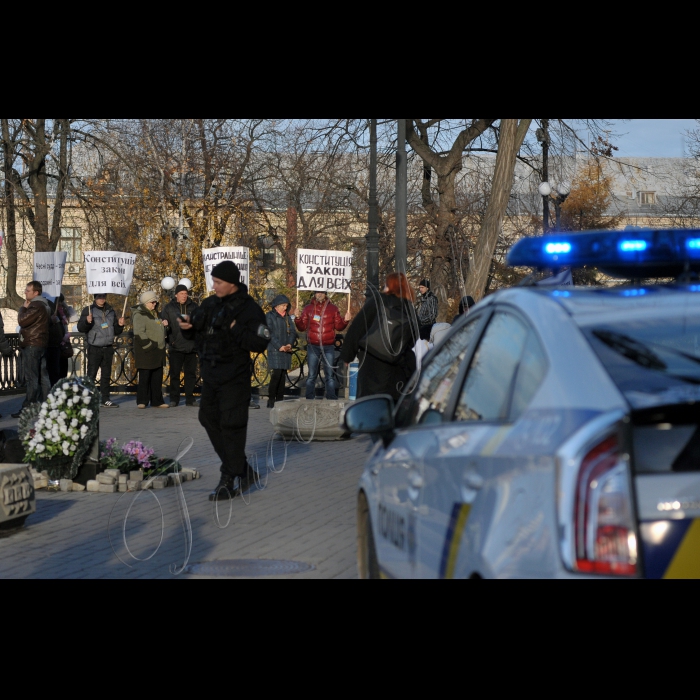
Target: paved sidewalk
305,513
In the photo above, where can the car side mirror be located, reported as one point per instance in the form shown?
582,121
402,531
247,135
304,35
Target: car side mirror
373,414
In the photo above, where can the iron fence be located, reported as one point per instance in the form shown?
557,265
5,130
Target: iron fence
124,375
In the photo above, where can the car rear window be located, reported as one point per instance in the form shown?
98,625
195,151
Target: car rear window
651,359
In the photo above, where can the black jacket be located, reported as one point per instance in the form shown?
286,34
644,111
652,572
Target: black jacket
224,352
376,376
173,334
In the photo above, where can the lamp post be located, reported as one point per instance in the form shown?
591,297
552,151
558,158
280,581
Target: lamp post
558,194
373,216
401,198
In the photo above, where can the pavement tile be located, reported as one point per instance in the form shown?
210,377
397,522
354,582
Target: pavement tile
305,512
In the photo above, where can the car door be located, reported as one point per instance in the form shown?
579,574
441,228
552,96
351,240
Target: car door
496,383
398,471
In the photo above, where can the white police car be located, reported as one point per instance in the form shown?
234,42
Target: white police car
555,432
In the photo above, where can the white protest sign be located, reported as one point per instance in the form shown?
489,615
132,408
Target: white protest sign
237,254
109,272
324,270
49,269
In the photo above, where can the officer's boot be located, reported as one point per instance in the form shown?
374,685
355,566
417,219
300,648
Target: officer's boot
225,490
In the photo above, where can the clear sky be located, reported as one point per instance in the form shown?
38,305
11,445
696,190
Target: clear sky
651,138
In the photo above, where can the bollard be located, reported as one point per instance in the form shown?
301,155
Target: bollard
353,368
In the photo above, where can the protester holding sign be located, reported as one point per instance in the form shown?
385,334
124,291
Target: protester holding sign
383,336
283,337
102,325
321,319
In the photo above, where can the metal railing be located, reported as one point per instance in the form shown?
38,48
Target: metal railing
124,375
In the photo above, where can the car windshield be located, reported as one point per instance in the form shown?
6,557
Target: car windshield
653,356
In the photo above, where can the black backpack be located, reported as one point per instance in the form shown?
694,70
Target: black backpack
390,334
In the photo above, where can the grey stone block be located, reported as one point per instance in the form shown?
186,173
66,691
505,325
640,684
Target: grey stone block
123,478
176,479
160,482
66,484
41,482
123,488
136,475
105,479
107,488
112,472
78,487
309,420
133,485
146,484
93,485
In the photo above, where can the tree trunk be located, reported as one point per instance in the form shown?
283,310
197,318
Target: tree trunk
12,299
511,138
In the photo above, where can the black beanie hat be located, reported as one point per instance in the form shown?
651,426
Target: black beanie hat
227,271
424,283
182,288
466,303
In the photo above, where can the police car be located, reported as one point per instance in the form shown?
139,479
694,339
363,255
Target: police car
554,432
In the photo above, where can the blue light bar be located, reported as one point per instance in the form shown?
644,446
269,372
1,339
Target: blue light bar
627,246
627,254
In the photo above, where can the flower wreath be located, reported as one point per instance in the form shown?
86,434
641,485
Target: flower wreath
58,433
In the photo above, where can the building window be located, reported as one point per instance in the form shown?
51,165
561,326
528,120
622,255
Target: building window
71,243
73,295
647,197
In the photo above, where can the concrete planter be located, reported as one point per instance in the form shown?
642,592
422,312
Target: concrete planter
309,420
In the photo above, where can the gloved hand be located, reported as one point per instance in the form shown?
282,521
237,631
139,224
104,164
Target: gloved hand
8,353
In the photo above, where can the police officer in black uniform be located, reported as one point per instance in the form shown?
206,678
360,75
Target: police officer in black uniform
227,327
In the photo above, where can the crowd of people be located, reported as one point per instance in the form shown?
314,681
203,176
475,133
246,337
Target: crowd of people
389,336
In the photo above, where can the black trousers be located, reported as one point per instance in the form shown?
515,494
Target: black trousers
223,411
182,362
424,331
101,358
53,364
275,391
150,388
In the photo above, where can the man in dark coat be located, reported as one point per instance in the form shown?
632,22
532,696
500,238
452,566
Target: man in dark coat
426,309
227,327
283,335
33,319
182,351
102,325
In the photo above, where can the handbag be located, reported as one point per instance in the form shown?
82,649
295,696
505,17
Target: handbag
66,350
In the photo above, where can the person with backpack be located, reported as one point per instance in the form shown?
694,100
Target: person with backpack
382,336
101,324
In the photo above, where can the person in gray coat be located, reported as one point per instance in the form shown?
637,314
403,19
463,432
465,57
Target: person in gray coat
283,335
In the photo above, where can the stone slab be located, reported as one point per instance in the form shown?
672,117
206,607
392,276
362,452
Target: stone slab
309,420
133,485
93,485
78,487
16,492
66,484
112,472
123,478
105,479
123,488
107,488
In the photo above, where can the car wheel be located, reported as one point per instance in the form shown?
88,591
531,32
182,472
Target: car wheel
367,564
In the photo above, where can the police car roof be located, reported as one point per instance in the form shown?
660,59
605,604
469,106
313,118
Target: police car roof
588,304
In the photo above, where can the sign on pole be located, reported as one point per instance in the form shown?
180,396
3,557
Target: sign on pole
237,254
109,272
49,269
324,270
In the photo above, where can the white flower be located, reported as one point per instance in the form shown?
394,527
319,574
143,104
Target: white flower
83,430
86,392
76,389
42,413
53,414
65,444
83,412
74,423
40,448
86,399
65,386
88,414
38,437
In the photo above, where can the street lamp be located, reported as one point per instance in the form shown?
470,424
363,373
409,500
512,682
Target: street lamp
558,194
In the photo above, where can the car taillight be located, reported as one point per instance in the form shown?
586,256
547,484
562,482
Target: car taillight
604,530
